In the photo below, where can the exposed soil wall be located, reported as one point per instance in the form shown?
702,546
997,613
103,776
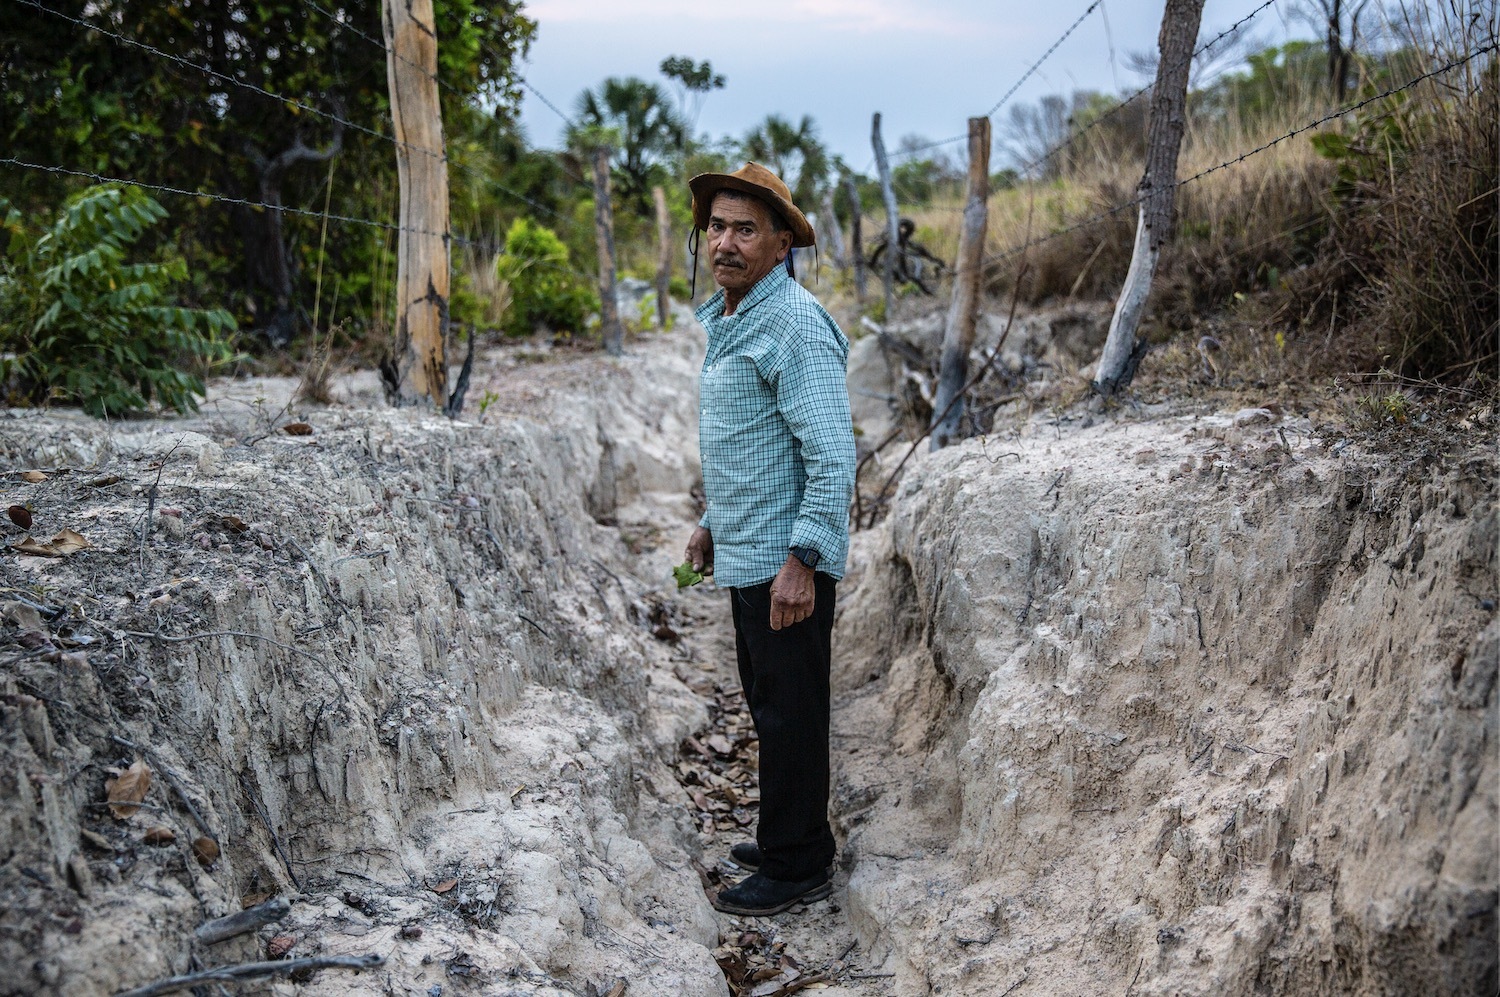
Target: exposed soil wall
439,722
1158,705
1178,708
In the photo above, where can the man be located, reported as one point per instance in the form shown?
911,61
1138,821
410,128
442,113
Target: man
778,471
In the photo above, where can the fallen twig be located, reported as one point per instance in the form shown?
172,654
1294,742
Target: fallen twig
1025,975
172,781
254,971
265,819
232,925
338,603
151,504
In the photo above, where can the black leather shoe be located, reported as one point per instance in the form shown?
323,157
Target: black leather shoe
759,896
746,855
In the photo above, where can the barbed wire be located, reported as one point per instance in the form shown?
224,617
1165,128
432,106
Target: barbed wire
441,155
1014,251
243,202
1037,65
449,237
1127,101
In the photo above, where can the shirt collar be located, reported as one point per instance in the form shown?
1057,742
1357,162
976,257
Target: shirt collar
713,308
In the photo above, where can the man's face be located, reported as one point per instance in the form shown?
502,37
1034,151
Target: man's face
742,245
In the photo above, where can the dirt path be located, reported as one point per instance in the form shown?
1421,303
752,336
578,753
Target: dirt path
716,767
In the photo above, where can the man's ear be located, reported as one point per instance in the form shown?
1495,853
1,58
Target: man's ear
786,246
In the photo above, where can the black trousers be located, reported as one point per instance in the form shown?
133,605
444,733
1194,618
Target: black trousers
785,676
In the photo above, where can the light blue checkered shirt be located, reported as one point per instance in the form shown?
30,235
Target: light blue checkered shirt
774,432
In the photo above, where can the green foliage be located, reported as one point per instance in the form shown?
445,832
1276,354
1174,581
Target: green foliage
648,131
543,290
83,100
685,575
792,152
693,82
80,324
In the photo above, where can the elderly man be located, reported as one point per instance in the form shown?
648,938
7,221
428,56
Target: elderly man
778,471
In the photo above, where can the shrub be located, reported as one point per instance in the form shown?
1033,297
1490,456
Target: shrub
543,289
79,324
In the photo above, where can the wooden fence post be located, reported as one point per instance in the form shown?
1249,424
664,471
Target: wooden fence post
963,312
416,372
830,226
892,240
856,244
1157,190
663,258
604,238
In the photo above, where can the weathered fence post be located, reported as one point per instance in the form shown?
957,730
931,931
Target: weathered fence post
415,371
1157,189
663,258
963,312
830,226
892,240
856,243
604,238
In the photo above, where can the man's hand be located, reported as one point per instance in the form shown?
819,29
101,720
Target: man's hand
792,594
700,551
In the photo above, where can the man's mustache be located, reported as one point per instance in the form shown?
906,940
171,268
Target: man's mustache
729,261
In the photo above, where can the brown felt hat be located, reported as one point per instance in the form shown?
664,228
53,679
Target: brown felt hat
757,181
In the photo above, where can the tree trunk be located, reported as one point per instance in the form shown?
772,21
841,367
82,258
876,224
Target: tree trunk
892,240
835,234
415,372
663,258
604,238
856,243
963,312
1157,190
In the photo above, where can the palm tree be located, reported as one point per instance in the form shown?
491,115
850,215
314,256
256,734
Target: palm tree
641,116
781,147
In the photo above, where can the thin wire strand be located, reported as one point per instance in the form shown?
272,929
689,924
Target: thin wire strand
226,199
441,156
1037,65
1067,142
1226,164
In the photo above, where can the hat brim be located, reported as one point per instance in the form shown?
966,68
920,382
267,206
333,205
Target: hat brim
705,185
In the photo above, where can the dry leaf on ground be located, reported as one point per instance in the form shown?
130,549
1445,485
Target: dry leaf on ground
35,477
297,429
160,836
234,524
20,515
278,947
205,850
127,788
64,543
445,886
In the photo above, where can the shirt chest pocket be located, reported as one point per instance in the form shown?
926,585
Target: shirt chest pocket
735,398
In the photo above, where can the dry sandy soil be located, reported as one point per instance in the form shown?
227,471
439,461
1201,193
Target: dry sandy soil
1162,701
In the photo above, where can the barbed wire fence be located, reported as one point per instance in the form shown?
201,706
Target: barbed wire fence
488,181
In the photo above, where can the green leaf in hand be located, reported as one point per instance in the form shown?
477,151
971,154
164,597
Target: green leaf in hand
685,575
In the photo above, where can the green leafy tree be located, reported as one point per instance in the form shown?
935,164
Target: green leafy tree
543,288
785,148
80,99
80,324
693,82
647,132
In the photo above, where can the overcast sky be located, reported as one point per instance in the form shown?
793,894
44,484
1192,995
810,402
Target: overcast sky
926,65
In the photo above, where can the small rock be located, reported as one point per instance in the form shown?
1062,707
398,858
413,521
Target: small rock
1254,417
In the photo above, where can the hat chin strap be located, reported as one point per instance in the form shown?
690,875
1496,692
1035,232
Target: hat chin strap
692,247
